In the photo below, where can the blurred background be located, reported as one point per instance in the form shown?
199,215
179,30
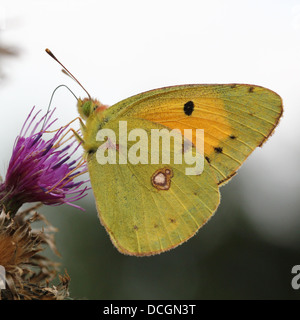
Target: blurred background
120,48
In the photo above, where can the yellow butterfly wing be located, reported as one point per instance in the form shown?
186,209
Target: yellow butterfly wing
141,218
236,118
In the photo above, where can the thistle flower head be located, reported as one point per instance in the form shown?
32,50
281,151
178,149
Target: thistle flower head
41,170
28,273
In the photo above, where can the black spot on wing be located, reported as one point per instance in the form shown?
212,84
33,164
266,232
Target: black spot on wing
188,108
218,149
232,137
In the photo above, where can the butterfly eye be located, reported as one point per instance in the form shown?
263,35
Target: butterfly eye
86,108
95,107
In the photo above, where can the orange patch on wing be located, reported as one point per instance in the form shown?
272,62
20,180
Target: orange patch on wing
208,114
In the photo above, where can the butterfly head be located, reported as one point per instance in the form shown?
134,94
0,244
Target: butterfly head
88,107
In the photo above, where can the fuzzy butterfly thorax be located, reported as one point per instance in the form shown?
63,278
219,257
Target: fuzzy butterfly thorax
91,111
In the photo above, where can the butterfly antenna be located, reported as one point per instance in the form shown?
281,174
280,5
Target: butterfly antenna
62,85
67,71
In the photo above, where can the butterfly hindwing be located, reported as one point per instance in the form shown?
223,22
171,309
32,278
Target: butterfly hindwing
141,218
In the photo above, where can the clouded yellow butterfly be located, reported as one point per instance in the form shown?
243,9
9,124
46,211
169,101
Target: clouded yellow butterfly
150,208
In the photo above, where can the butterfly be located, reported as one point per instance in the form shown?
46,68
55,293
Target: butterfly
151,208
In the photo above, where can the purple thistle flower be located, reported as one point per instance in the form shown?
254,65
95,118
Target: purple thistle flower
39,170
